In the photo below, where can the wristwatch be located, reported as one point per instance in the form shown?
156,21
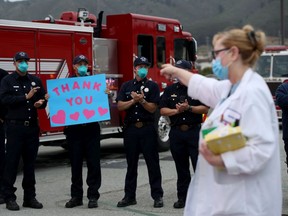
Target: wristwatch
190,108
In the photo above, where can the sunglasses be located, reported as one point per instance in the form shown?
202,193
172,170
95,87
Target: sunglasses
216,52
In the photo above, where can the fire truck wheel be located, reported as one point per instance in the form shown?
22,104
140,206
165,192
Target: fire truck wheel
162,125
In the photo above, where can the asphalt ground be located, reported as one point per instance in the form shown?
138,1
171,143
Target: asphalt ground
53,185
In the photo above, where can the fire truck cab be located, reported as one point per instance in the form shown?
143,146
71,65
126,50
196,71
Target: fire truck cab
111,49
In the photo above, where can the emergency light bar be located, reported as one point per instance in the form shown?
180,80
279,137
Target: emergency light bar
276,48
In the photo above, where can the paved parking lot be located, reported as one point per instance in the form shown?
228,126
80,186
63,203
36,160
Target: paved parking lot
53,185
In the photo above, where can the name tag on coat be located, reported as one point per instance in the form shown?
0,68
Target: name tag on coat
230,116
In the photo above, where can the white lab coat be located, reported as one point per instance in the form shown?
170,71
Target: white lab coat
251,183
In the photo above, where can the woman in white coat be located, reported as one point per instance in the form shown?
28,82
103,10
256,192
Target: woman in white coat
247,181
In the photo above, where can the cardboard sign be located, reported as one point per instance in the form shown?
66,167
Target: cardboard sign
78,100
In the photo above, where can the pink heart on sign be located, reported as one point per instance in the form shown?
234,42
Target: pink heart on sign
102,111
59,118
74,116
88,113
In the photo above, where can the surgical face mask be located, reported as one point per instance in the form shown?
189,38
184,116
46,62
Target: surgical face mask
142,72
220,71
23,67
82,70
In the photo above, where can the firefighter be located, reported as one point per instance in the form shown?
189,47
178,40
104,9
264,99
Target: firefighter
185,114
84,141
23,94
139,98
281,95
2,140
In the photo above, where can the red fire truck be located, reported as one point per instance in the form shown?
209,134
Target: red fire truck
273,67
111,49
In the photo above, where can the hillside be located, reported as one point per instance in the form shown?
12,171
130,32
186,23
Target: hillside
202,18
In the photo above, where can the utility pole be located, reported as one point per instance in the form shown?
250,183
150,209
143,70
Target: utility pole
208,46
282,22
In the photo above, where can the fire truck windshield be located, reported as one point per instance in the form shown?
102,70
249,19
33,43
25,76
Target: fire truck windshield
263,66
185,49
280,66
272,66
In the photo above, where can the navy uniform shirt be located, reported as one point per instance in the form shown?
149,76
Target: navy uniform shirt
137,112
12,93
177,93
3,109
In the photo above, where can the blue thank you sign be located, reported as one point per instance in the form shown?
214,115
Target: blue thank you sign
78,100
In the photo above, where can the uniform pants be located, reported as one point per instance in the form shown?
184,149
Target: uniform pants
2,155
84,142
286,149
137,140
184,144
21,141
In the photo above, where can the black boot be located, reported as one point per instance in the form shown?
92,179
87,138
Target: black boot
33,203
92,203
12,205
73,202
126,202
180,203
158,203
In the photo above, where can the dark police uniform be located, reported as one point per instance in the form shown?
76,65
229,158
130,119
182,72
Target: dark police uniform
2,139
140,136
84,141
22,131
282,101
184,135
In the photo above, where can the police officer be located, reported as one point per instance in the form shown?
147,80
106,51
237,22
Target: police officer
185,115
23,94
2,140
139,98
84,141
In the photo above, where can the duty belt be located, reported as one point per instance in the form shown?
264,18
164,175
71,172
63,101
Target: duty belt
141,124
23,123
186,127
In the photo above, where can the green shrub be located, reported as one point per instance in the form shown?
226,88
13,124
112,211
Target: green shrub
206,71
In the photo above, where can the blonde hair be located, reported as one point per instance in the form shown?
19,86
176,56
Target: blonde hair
250,43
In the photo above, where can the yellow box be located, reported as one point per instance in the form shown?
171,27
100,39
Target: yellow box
225,139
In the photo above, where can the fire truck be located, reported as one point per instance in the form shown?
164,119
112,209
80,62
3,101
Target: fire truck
111,49
273,67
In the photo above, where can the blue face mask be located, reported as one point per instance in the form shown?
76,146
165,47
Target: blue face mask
23,67
142,72
220,71
82,70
